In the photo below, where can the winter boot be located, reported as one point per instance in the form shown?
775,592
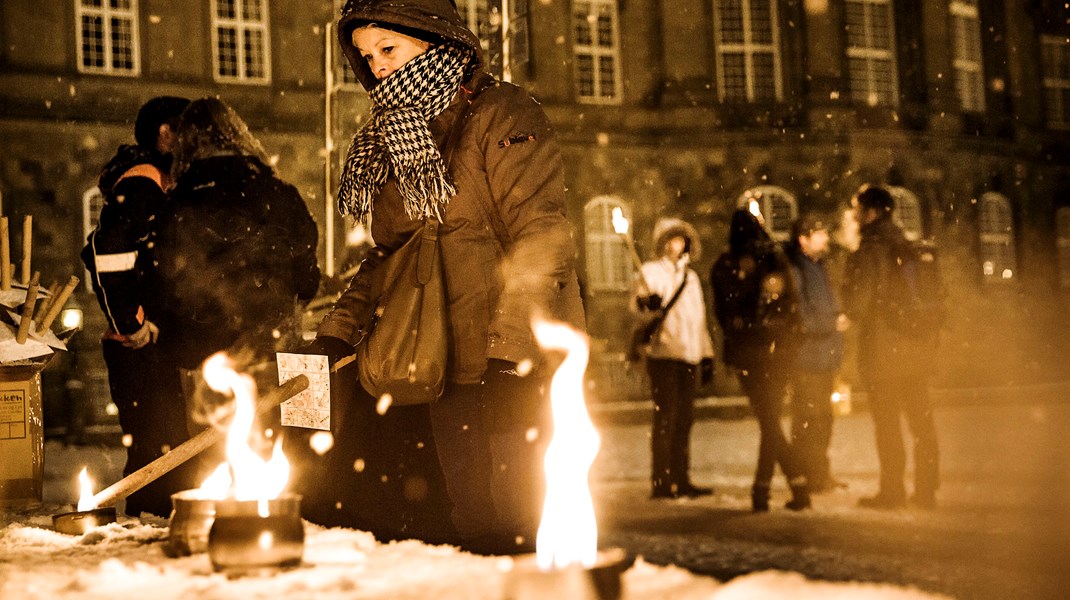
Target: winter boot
800,495
759,498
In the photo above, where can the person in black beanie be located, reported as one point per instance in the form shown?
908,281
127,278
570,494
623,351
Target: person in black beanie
144,386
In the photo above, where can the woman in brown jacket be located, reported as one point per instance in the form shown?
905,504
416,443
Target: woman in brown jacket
506,246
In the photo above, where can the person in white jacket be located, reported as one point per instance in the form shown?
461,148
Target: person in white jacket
670,291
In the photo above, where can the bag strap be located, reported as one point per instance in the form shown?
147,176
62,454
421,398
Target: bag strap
676,294
425,261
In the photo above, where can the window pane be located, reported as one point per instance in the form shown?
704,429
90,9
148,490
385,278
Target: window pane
881,30
606,76
855,24
761,22
120,4
225,9
254,55
92,41
731,16
227,49
121,38
93,3
251,10
585,74
735,76
605,26
582,28
764,77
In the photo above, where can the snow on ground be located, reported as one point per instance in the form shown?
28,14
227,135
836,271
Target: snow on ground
126,560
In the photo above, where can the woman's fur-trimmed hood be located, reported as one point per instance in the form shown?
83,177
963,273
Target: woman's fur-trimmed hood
667,228
438,17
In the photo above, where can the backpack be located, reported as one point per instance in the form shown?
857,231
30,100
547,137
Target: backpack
917,300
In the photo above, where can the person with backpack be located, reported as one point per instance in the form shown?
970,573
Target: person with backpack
891,294
670,292
756,303
820,350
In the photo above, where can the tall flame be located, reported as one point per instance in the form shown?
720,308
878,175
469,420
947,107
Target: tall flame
253,477
85,498
568,533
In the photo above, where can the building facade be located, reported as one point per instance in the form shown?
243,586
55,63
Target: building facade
685,108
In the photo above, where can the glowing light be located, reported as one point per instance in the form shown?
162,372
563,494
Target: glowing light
71,318
321,442
620,223
989,267
1007,274
384,404
755,208
85,498
253,478
568,532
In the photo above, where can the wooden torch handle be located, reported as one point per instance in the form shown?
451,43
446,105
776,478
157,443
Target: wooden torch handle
190,448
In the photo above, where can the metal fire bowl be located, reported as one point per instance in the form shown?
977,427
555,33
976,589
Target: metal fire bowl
241,542
79,522
191,518
526,581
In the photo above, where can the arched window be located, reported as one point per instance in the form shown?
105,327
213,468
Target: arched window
907,212
1062,242
92,203
776,205
609,266
996,232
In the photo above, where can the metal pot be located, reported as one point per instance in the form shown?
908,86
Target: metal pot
242,541
191,518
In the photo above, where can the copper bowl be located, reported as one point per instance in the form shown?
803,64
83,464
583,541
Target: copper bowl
191,519
81,521
602,581
241,541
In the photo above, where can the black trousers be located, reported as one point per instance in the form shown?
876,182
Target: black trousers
147,390
811,423
672,384
491,439
765,391
890,400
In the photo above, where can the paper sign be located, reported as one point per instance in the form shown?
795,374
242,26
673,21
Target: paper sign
311,408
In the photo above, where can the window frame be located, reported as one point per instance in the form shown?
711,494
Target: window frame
871,54
966,21
766,196
907,212
597,52
107,13
748,48
616,273
241,26
996,233
1056,114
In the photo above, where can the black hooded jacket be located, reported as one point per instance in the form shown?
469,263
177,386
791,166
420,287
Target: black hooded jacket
237,251
119,253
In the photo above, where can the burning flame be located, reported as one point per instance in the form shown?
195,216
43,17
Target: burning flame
568,533
755,209
245,475
85,499
620,224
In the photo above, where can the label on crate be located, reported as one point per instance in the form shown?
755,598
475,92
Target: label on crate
12,414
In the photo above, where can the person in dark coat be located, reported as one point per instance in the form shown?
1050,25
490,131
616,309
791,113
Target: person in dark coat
237,247
894,362
756,304
820,350
447,141
144,385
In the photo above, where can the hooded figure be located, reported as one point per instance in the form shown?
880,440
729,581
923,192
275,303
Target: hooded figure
446,141
756,303
670,291
237,251
119,255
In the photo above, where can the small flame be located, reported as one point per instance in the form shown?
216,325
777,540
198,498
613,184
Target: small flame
252,478
85,499
755,209
620,223
568,533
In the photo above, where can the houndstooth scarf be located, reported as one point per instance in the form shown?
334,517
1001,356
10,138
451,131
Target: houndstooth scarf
396,138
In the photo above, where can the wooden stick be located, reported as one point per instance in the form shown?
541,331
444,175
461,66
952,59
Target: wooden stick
56,306
190,448
50,296
5,256
27,247
27,309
